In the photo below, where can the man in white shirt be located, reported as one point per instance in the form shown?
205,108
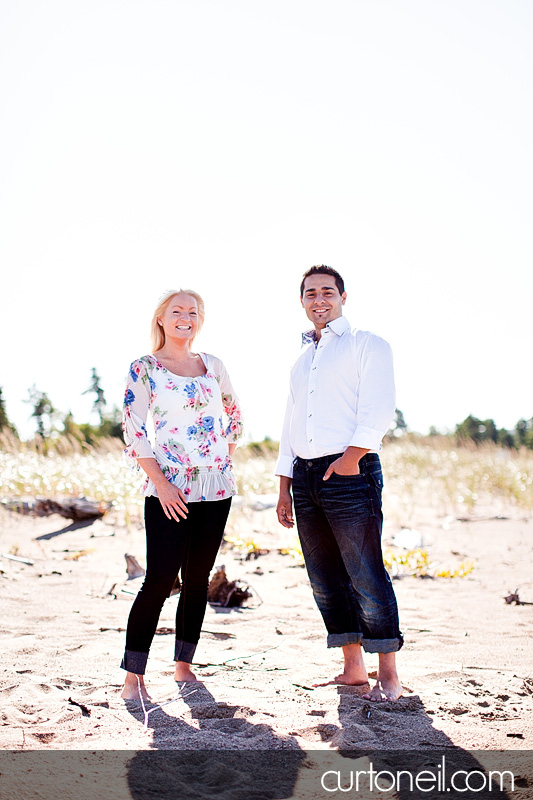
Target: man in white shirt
341,403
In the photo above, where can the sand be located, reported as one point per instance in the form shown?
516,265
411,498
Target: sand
467,663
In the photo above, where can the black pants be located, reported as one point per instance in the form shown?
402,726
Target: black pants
190,545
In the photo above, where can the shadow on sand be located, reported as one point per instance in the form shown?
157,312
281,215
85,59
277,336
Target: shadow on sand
257,763
74,526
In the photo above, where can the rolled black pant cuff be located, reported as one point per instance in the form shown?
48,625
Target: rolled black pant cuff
184,651
134,661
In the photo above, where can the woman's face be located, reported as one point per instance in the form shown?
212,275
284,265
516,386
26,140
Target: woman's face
180,320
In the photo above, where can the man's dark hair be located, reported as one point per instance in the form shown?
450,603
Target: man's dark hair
322,269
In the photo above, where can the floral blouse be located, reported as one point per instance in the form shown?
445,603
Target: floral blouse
194,421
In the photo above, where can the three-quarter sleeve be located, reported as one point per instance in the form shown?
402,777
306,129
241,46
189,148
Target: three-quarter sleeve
135,412
376,400
230,403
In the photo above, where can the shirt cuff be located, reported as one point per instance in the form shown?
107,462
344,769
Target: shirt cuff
367,438
141,448
284,466
234,431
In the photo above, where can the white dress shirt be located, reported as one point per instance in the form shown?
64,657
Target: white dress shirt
341,395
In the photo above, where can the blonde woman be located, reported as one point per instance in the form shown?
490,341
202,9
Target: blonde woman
189,481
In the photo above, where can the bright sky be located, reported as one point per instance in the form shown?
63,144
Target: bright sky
228,145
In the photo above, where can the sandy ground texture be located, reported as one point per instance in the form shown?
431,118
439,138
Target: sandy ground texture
467,664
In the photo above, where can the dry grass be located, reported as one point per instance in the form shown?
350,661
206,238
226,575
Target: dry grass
255,474
70,470
455,480
452,480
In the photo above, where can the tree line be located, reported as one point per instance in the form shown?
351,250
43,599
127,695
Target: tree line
52,422
474,430
485,430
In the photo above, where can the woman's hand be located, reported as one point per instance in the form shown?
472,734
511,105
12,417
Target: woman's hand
172,500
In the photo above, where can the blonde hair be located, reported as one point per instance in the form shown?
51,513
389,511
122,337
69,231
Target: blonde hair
157,334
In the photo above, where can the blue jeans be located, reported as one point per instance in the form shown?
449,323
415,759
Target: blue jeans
339,525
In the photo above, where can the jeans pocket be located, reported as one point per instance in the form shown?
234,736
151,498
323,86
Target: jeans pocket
377,479
356,476
348,485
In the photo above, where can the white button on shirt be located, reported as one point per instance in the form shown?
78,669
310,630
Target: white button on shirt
341,395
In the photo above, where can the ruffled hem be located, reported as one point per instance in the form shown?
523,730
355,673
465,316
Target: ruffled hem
205,484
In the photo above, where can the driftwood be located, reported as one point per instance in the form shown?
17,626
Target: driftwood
514,597
133,567
18,558
226,593
74,508
135,570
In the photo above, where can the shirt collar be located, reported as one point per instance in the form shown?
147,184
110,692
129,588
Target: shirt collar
339,326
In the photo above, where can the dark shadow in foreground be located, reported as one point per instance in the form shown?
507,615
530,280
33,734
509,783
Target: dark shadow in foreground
262,765
275,767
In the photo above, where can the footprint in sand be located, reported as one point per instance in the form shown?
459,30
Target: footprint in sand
44,687
227,725
28,715
44,738
317,733
65,683
7,691
355,736
220,711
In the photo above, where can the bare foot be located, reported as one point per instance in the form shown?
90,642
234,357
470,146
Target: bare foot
384,690
388,686
345,679
352,677
132,687
184,672
354,673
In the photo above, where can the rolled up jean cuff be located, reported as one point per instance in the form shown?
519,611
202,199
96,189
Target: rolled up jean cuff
340,639
382,645
134,661
184,651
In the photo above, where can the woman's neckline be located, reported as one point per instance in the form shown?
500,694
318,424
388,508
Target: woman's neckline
185,377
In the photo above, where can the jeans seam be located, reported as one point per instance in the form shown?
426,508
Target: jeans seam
373,510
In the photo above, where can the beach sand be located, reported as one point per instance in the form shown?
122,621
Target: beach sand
467,663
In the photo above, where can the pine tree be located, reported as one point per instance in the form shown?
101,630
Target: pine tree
400,426
42,409
5,424
100,402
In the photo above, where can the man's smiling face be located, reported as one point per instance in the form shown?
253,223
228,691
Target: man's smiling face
322,300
